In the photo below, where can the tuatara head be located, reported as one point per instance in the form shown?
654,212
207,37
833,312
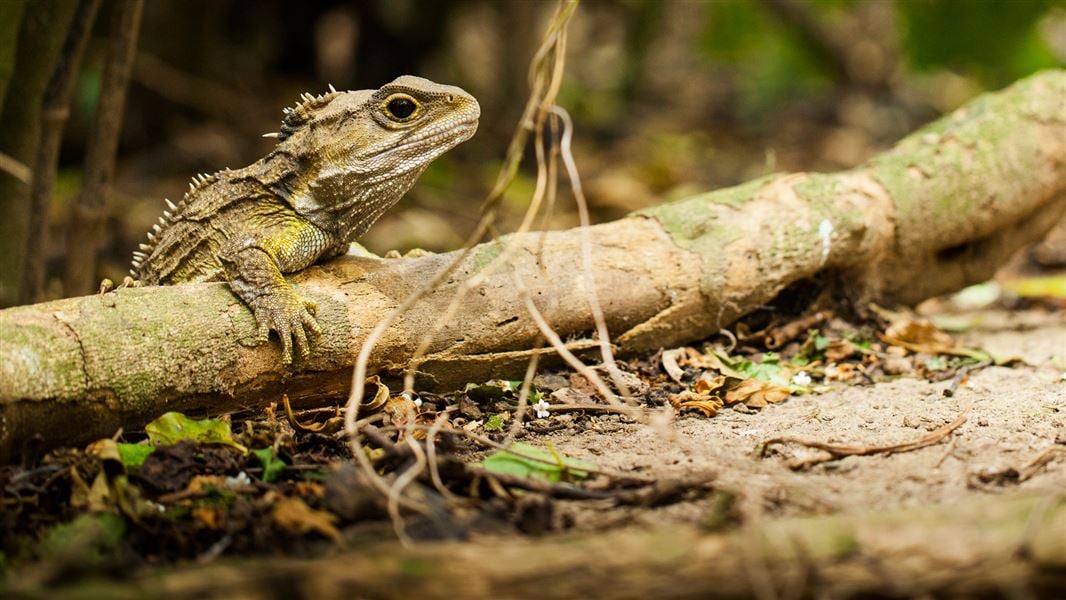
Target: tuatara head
361,150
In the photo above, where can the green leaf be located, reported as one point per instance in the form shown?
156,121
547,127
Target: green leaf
133,455
494,423
272,465
560,467
173,427
769,369
936,363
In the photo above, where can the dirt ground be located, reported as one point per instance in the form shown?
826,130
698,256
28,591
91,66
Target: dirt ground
1014,413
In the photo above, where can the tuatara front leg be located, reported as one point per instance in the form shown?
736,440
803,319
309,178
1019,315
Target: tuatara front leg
254,273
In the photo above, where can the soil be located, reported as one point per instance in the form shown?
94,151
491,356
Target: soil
1013,414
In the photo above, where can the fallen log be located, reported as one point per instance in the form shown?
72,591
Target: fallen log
975,549
941,210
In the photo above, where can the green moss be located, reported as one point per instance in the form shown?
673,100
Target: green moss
930,173
154,339
485,254
692,222
691,218
40,360
416,567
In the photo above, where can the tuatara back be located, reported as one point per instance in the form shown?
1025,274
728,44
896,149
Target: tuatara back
343,158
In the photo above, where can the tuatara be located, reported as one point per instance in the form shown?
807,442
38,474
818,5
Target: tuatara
343,158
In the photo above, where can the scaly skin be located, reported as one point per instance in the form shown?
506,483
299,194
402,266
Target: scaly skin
343,159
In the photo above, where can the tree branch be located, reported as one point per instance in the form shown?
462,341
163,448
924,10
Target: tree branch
940,211
89,208
54,112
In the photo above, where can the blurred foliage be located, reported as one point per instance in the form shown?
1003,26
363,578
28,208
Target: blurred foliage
995,41
776,65
668,97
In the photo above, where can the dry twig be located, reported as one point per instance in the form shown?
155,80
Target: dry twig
545,79
837,451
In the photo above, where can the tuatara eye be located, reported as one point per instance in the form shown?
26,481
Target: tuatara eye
401,108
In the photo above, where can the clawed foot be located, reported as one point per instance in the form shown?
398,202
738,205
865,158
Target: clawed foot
291,317
108,286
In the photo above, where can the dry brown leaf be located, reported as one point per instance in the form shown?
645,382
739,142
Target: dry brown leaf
381,396
841,372
756,393
400,410
310,489
99,499
710,360
104,449
79,490
210,517
711,384
918,335
200,484
295,516
708,405
838,350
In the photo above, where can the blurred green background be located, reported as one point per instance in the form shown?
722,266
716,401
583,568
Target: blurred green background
669,97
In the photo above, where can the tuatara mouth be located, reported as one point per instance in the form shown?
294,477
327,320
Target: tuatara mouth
456,134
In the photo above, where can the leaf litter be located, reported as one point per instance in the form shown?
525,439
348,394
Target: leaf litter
282,480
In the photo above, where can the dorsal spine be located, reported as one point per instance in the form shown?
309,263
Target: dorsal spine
145,250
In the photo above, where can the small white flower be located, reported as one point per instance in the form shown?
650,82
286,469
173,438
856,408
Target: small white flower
542,409
801,379
242,479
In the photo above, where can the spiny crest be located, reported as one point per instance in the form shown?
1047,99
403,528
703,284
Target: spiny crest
172,209
198,180
298,116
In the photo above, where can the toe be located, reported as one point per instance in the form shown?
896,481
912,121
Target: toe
262,320
310,324
286,340
301,340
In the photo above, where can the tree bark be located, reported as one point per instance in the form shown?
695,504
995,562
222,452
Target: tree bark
985,548
90,207
54,112
40,37
940,211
